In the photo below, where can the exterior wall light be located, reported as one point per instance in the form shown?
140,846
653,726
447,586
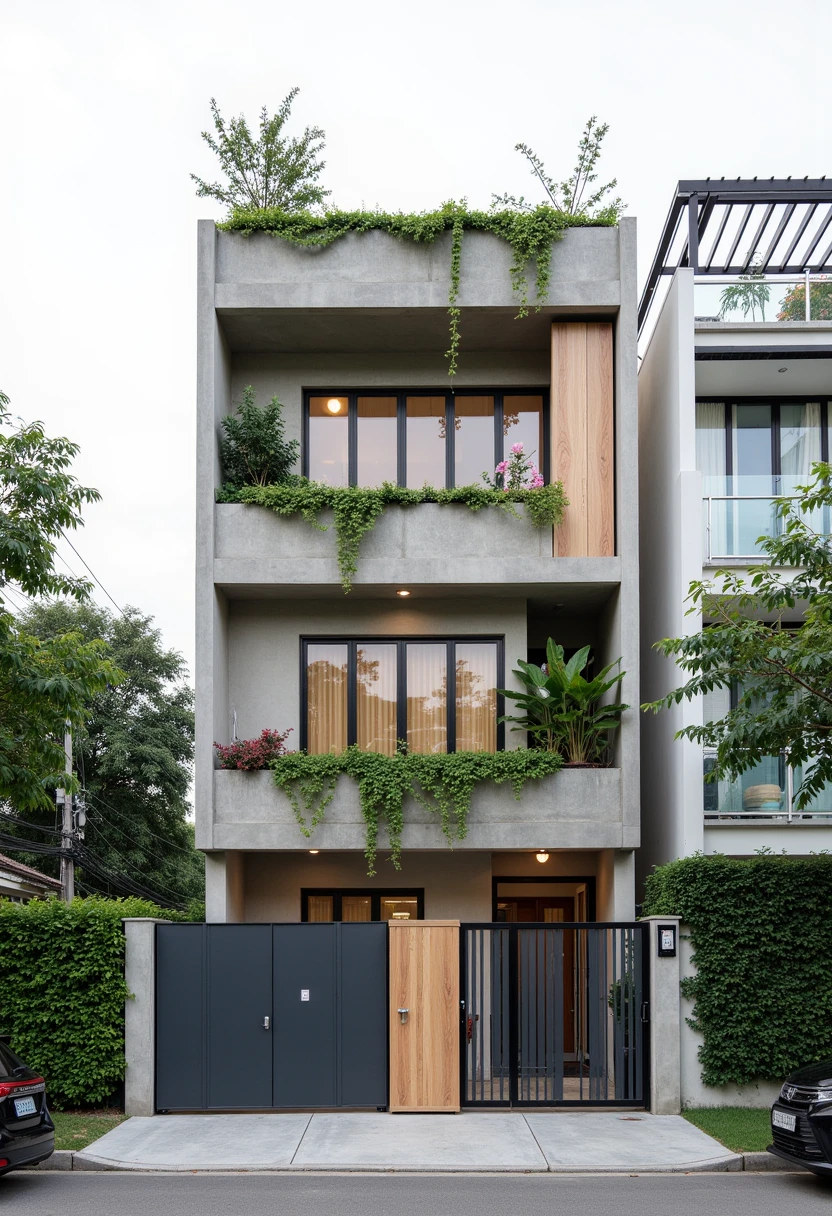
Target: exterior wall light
313,851
542,856
403,594
334,405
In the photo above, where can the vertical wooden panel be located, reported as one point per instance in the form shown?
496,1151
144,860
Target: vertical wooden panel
569,433
424,1051
600,442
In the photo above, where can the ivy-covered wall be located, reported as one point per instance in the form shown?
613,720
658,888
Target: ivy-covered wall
761,933
62,992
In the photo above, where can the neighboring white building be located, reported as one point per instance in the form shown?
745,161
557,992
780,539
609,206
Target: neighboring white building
21,883
735,404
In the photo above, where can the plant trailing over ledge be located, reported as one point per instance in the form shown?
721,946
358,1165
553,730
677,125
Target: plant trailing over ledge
529,232
562,710
255,450
357,508
442,784
252,754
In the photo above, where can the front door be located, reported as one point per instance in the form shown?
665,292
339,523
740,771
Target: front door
239,1015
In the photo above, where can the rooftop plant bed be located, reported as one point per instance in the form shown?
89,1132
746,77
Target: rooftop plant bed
530,232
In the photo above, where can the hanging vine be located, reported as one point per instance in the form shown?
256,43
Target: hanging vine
442,784
530,233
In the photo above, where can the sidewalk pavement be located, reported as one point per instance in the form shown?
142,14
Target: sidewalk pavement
561,1142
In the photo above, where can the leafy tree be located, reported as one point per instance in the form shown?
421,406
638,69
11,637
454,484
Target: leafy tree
752,292
782,674
793,304
255,450
271,171
43,684
571,196
134,754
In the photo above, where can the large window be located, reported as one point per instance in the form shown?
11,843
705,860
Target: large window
439,695
420,438
354,906
750,451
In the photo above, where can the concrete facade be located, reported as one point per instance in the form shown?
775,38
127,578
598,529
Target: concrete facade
689,358
370,312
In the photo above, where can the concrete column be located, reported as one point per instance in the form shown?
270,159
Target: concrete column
140,1015
665,1023
224,888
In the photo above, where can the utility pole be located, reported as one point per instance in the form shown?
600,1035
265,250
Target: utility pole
67,826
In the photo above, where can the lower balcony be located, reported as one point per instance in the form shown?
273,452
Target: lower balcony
764,792
573,809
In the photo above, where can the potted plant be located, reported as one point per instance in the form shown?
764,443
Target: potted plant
562,710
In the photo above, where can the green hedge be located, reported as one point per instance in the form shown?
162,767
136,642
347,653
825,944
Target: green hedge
761,931
62,991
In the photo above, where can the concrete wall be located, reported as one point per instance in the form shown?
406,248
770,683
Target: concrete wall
670,546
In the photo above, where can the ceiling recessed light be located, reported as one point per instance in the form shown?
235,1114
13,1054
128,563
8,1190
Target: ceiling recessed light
782,369
334,405
403,594
314,851
542,856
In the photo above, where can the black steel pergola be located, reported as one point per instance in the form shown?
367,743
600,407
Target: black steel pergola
717,227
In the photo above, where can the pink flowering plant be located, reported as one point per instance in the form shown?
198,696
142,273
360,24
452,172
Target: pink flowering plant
252,754
519,472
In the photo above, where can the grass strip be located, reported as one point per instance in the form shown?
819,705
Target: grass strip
741,1129
75,1129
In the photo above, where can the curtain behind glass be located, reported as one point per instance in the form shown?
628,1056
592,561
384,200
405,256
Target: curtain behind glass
425,442
356,909
319,908
376,698
710,461
523,423
800,448
326,698
473,440
377,440
476,697
427,697
328,455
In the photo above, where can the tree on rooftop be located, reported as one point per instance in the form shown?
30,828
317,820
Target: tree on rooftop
273,170
783,674
573,196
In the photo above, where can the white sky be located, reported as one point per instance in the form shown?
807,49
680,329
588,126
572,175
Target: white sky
102,106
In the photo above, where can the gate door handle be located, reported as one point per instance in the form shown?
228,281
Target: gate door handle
266,1023
403,1014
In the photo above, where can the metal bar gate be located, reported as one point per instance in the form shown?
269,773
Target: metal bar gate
554,1014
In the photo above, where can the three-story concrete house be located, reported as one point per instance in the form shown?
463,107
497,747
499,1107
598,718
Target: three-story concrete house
352,340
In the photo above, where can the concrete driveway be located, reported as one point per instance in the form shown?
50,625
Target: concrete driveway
567,1142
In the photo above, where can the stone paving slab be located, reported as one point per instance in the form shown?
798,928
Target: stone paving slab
493,1142
612,1141
197,1142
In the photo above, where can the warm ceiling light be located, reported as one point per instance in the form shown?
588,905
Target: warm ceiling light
334,405
314,850
403,594
542,856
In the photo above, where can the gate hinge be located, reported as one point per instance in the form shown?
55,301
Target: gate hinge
645,1011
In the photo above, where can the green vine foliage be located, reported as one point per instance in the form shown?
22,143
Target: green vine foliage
356,508
530,233
62,992
762,941
442,784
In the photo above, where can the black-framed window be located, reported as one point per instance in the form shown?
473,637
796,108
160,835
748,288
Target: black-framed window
357,905
437,693
421,436
770,439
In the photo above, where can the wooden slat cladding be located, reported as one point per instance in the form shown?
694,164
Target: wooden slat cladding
424,1051
582,436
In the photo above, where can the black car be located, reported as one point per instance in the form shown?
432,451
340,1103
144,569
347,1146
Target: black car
801,1119
27,1134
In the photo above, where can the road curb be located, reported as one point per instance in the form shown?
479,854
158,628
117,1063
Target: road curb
763,1162
61,1159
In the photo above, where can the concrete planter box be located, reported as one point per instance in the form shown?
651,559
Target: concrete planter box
407,545
572,809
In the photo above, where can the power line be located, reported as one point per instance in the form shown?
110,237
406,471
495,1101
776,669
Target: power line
131,865
92,572
96,798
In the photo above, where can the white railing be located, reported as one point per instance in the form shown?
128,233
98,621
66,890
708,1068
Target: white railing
733,524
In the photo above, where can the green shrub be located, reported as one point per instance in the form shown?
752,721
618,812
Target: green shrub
761,933
62,991
255,450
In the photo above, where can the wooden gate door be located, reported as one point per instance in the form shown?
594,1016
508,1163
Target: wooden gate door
424,1015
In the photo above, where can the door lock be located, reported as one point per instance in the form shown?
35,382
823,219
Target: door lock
266,1023
403,1015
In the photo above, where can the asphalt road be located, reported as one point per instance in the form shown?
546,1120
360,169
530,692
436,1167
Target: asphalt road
126,1194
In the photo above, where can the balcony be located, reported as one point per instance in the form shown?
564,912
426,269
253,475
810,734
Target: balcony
738,511
577,808
765,792
762,299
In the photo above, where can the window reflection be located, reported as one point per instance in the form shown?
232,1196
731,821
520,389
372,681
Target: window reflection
376,699
473,439
377,426
476,697
427,697
326,684
523,423
425,441
329,440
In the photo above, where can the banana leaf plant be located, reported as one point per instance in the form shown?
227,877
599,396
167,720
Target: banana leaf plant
561,710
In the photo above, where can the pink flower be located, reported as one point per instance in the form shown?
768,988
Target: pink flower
537,482
501,467
517,449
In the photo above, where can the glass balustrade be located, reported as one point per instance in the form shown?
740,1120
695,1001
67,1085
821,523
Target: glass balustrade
759,299
765,791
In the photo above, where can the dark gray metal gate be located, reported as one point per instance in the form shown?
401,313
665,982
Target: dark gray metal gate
271,1016
554,1014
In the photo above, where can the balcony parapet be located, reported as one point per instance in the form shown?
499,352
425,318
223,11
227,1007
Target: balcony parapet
573,809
